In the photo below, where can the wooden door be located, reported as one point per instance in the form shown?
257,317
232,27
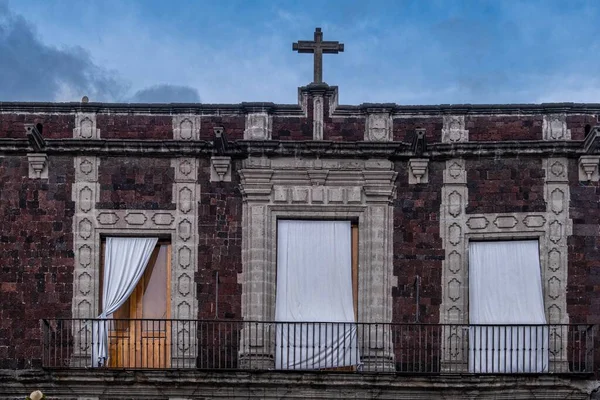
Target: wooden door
141,335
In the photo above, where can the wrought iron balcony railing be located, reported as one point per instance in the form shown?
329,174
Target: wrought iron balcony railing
323,346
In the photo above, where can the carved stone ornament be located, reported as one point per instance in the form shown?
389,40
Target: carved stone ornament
258,126
85,126
220,170
379,127
554,127
38,165
186,127
418,170
453,129
588,168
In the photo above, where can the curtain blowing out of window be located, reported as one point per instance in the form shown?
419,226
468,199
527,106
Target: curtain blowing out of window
124,263
505,287
314,284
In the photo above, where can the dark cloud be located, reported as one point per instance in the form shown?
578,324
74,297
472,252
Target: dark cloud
33,71
166,94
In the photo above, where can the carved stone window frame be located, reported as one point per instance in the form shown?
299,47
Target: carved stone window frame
298,188
457,228
90,224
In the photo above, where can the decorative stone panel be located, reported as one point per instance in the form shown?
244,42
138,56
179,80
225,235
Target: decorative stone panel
554,127
551,228
282,187
91,223
453,129
259,126
379,127
85,126
186,127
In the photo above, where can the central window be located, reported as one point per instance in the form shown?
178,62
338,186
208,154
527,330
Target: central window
316,301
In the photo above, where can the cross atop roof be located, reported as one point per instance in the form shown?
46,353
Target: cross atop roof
318,47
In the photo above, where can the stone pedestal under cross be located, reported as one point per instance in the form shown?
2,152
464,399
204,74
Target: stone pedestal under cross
318,47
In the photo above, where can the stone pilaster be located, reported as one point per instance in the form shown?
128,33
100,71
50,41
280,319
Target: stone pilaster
555,254
184,302
86,250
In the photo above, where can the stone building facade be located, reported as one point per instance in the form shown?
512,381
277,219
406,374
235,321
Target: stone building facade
420,181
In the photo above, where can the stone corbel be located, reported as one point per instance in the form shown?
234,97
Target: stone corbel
38,161
418,171
220,169
588,168
38,165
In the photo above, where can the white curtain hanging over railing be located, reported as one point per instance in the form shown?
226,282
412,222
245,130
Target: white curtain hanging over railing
125,260
314,284
505,287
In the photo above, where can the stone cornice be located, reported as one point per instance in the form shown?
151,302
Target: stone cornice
296,110
244,148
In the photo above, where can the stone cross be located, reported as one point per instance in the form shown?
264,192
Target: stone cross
318,47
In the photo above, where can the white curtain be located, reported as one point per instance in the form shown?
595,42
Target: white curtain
314,284
505,287
125,260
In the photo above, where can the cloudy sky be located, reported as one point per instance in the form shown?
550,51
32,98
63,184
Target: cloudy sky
407,52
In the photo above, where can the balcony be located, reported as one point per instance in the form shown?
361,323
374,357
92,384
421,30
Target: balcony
366,348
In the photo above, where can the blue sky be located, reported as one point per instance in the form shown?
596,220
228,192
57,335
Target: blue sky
407,52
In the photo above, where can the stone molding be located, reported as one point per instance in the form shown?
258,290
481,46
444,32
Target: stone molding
90,224
38,165
379,127
85,126
453,129
259,126
283,187
588,168
187,384
551,228
554,127
186,127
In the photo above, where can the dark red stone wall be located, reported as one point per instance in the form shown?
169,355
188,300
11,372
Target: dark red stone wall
496,128
294,128
343,129
135,126
505,185
55,126
583,301
417,246
234,126
583,285
220,246
36,255
136,183
577,124
404,128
